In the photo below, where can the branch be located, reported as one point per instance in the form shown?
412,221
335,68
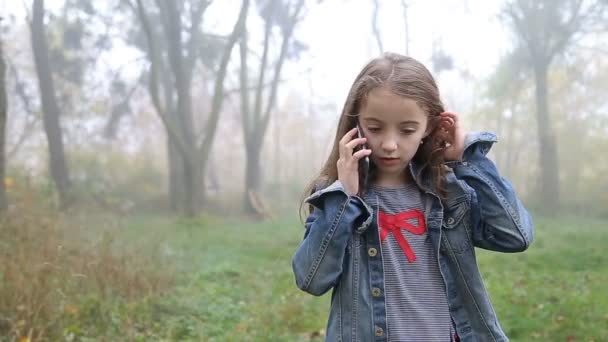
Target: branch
195,33
265,85
572,26
118,113
244,91
285,45
29,125
263,62
597,49
218,93
519,24
154,55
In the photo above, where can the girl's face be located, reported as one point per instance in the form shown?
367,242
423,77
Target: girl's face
394,127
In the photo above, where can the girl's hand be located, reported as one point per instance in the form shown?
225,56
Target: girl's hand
348,162
454,134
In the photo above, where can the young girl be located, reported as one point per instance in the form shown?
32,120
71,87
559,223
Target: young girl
395,239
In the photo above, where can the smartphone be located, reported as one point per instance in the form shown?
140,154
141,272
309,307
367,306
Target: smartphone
363,164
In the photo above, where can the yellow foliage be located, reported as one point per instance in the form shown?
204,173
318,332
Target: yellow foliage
71,310
8,183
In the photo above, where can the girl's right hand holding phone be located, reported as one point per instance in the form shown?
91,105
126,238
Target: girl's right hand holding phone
348,162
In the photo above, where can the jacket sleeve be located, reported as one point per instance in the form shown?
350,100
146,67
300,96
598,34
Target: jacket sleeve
318,261
500,221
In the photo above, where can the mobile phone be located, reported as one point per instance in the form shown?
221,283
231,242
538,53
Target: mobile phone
363,164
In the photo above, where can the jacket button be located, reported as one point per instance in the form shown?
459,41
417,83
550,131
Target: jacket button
378,331
376,292
450,220
372,252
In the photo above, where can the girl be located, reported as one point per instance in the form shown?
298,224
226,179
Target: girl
395,241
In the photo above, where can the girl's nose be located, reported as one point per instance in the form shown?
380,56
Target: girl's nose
389,145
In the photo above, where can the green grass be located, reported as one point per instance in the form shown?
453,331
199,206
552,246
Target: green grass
556,290
233,282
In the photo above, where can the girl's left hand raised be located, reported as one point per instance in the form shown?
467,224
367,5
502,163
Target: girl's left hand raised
454,134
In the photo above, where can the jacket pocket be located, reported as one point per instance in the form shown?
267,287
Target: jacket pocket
456,227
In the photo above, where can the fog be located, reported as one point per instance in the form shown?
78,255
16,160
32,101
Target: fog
125,114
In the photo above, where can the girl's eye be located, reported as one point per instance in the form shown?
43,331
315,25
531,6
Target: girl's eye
373,129
408,131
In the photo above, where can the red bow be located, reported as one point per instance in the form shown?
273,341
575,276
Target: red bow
393,224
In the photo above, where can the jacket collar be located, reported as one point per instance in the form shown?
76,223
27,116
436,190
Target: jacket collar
425,181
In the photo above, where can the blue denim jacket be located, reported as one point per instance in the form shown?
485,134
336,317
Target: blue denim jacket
341,248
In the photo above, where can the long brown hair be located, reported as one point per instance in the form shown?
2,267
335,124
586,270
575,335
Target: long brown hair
406,77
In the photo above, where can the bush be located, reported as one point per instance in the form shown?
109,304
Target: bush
58,283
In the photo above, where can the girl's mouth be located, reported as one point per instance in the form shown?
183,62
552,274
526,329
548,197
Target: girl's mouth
389,161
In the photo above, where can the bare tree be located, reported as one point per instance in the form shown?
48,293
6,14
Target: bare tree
51,120
193,149
546,29
31,119
256,114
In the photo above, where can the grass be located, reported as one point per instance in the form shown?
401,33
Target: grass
232,281
556,290
237,283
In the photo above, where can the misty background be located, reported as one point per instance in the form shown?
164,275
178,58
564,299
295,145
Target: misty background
155,153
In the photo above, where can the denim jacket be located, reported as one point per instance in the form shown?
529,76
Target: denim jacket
341,248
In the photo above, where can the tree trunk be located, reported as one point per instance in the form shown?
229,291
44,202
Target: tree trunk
52,127
175,161
182,55
3,115
182,78
549,183
176,176
255,122
252,174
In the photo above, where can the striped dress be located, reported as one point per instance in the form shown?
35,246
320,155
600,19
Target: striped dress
416,302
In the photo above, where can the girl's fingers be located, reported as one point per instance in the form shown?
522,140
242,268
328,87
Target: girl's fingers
450,117
361,153
455,135
449,114
348,136
355,142
346,139
450,122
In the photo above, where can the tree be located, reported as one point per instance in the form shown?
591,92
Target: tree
405,6
546,30
51,115
577,91
3,115
256,115
182,52
31,119
375,28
